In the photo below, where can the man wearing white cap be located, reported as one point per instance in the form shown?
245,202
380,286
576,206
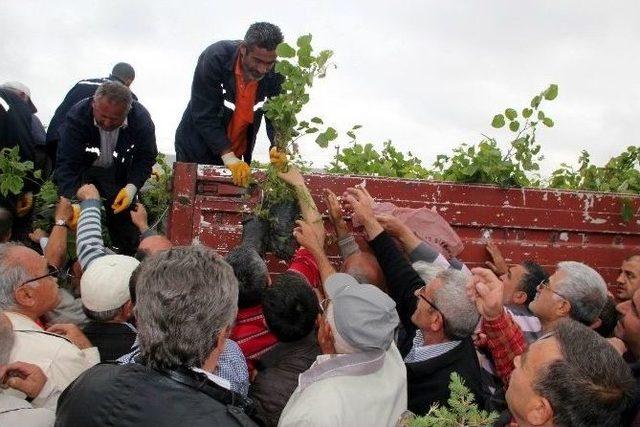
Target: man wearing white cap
104,287
361,378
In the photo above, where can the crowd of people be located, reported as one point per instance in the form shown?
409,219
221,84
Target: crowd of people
143,332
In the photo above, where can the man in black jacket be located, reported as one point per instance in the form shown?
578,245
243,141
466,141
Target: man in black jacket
108,140
121,72
186,301
231,81
438,318
16,125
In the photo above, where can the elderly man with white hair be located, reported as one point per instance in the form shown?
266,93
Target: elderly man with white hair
28,290
574,291
360,378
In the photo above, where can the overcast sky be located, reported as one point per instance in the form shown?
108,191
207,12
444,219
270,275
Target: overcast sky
427,74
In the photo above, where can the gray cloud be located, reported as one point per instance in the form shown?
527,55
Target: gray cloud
427,74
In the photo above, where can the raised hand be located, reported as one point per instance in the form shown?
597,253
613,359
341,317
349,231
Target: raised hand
486,290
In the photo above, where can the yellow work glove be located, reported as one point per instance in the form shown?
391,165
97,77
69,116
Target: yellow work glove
124,198
73,222
278,159
24,204
240,171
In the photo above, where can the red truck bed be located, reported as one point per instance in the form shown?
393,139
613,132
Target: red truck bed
543,225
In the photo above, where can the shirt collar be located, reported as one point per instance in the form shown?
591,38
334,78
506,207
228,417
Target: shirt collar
421,352
332,365
22,322
213,377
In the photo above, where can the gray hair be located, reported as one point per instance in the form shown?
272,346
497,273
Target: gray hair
11,275
123,71
115,92
591,384
460,313
263,35
185,297
427,270
7,338
584,288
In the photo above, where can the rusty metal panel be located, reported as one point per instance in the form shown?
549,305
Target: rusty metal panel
543,225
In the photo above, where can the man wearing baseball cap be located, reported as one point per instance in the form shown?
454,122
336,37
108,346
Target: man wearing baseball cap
105,299
360,379
104,286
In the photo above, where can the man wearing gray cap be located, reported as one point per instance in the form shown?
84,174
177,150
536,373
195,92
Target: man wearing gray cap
360,378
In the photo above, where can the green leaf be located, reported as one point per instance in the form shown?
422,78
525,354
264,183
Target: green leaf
351,135
285,51
323,57
304,41
327,136
356,127
535,102
317,120
547,122
498,121
551,93
37,174
527,112
510,113
540,115
514,126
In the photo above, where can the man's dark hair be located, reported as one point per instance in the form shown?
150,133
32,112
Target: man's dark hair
251,272
608,317
123,72
102,316
591,385
290,307
133,281
6,222
534,275
263,35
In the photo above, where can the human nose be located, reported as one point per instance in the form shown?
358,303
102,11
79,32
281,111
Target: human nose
620,279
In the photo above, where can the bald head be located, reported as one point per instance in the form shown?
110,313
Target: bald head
365,268
152,245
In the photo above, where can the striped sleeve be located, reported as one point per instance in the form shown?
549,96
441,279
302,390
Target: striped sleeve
89,244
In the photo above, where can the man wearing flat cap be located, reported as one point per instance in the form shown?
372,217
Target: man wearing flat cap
360,379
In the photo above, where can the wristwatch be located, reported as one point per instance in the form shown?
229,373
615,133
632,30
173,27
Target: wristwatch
61,223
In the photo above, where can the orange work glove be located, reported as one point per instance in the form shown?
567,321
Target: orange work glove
124,198
24,204
73,222
240,171
278,159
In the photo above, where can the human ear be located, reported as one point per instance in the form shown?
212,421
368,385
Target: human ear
539,412
25,296
519,297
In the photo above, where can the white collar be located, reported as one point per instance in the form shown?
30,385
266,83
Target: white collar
22,322
216,379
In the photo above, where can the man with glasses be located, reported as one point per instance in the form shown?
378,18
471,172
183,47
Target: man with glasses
28,290
569,377
574,291
438,318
